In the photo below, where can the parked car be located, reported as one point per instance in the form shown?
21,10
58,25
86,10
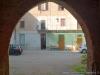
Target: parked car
15,50
83,48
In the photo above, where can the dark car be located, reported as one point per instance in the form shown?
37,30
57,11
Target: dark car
15,50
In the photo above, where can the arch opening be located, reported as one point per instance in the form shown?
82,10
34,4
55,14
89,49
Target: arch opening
83,25
10,22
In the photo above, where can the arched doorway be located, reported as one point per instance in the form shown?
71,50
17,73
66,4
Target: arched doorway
10,18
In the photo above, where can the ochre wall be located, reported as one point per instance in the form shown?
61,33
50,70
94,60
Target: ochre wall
86,11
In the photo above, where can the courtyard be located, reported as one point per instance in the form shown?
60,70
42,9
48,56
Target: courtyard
43,62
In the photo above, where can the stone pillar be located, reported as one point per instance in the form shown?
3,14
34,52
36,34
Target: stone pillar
4,58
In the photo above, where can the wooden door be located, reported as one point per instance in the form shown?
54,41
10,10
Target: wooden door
61,42
79,41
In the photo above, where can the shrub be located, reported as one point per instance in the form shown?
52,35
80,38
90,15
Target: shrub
84,59
81,68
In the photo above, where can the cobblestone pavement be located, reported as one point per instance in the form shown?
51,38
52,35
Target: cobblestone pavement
43,63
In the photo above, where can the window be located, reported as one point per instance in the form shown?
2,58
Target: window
22,24
60,8
22,40
43,7
42,24
62,21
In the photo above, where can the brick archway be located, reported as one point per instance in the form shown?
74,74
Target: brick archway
85,11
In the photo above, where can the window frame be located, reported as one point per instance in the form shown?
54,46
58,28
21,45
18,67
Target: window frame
22,24
62,21
43,24
40,7
60,8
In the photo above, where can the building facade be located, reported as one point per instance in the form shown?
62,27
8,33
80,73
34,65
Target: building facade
50,26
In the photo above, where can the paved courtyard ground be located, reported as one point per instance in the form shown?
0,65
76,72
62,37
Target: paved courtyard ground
43,63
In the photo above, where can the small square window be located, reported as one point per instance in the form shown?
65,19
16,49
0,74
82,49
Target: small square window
60,8
62,21
42,24
22,24
43,7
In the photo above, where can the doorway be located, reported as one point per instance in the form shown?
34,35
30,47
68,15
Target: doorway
43,41
79,41
61,42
